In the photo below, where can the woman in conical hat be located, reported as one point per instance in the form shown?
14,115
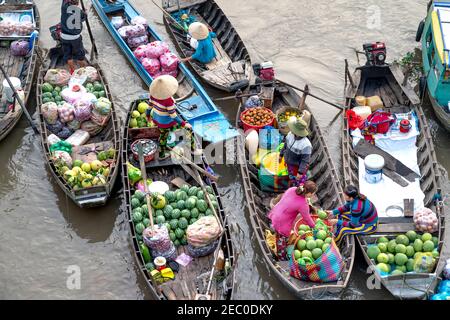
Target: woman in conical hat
204,51
297,150
163,111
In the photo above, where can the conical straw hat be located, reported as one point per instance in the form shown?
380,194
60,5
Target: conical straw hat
163,87
198,31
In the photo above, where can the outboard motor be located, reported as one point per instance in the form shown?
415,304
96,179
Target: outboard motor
375,53
264,71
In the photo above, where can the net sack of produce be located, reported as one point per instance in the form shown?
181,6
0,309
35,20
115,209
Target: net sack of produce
88,98
103,106
426,220
117,22
61,146
50,112
20,48
73,93
135,31
64,133
139,20
137,41
66,112
58,77
123,31
74,125
151,65
156,49
198,252
157,239
23,28
134,174
56,127
173,73
52,139
169,62
326,268
424,262
100,119
253,102
203,232
140,52
7,28
91,127
62,157
82,111
89,72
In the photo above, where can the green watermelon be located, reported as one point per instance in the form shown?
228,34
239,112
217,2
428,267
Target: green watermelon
176,213
97,86
168,226
209,189
179,233
215,204
173,205
185,188
139,237
139,195
201,195
172,236
173,224
183,241
201,205
168,211
180,204
150,266
190,203
135,203
209,212
159,213
146,222
182,195
170,196
47,87
140,227
144,209
201,215
186,213
137,216
160,219
192,221
176,243
183,223
194,213
192,191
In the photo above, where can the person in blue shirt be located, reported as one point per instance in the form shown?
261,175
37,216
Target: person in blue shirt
205,52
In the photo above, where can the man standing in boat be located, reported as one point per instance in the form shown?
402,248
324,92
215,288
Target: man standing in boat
72,18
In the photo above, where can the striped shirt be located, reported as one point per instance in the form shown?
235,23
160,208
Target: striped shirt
362,212
164,113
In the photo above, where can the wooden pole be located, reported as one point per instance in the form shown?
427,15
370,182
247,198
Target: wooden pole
168,14
206,173
21,103
304,96
347,72
94,47
144,176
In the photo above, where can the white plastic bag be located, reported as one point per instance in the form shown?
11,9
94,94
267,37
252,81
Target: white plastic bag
73,93
52,139
78,138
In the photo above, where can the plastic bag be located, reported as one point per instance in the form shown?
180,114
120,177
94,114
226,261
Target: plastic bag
74,124
169,62
58,77
426,220
123,31
170,73
89,72
100,119
202,232
424,262
103,106
65,133
117,22
88,98
23,28
137,41
446,271
78,138
56,127
151,65
156,49
82,111
50,112
134,174
159,243
135,31
198,252
444,286
139,20
61,146
73,93
91,127
52,139
20,48
140,52
62,157
253,102
7,28
66,112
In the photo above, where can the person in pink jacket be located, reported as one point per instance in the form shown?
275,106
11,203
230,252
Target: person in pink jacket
292,206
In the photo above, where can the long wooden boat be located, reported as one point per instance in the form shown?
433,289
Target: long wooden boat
330,195
109,137
194,104
231,69
190,282
387,81
23,68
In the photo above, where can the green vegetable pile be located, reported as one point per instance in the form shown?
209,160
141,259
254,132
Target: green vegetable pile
96,89
51,93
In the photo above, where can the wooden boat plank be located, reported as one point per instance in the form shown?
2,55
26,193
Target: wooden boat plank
409,92
395,228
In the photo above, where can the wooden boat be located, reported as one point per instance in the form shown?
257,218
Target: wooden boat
23,68
330,195
109,137
434,34
194,104
231,69
387,81
189,282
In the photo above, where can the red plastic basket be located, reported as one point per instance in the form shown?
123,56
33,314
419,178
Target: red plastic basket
148,157
247,126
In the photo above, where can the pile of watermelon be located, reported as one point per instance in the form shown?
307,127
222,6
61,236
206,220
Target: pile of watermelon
180,209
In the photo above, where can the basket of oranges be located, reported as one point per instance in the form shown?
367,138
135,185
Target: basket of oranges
257,118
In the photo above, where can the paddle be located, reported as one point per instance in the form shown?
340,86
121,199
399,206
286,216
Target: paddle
16,95
144,177
94,47
169,15
206,173
237,96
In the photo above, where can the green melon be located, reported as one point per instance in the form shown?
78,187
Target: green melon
383,240
176,213
146,222
209,189
428,246
137,216
176,243
418,245
373,252
179,233
168,211
410,251
160,219
144,209
412,235
183,223
172,236
209,212
181,204
173,224
202,206
193,191
191,203
47,87
183,241
195,213
410,265
192,221
186,213
397,272
391,246
140,227
181,195
401,259
170,196
402,239
201,195
159,213
135,203
139,195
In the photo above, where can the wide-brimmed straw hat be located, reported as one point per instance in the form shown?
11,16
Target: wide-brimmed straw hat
198,31
163,87
298,127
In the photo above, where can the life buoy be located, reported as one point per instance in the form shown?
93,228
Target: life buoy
420,30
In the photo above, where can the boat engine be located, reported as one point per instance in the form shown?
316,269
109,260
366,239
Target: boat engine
264,71
375,53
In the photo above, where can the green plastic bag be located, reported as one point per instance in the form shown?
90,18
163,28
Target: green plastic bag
61,146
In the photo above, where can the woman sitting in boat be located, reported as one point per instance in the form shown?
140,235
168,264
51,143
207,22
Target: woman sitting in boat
163,111
205,52
292,206
357,216
297,151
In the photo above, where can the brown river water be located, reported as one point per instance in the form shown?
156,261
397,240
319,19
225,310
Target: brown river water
43,234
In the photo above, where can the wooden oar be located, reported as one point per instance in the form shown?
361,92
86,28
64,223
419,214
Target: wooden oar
21,103
144,177
94,46
206,173
169,15
235,97
312,95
